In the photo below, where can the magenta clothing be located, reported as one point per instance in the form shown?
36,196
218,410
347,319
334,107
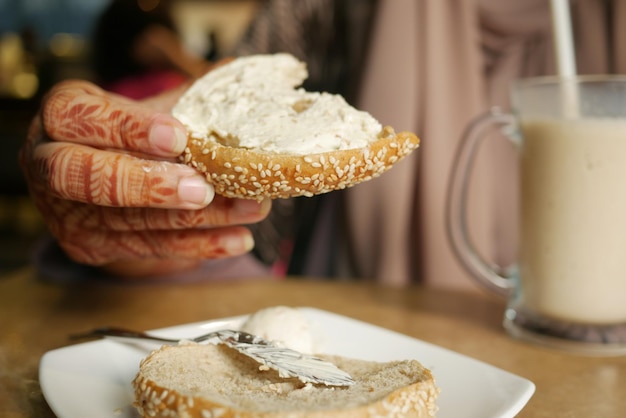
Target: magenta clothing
145,85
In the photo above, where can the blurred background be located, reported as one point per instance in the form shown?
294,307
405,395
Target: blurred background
45,41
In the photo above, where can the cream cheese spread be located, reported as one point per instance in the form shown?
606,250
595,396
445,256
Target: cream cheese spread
286,326
254,102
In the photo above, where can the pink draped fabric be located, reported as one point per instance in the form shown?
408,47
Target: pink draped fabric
434,65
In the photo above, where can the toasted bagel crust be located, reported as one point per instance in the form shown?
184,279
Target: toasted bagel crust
159,396
242,173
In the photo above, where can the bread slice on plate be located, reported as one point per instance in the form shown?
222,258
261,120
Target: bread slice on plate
199,381
255,134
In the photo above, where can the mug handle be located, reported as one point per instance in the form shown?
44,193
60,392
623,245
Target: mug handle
486,274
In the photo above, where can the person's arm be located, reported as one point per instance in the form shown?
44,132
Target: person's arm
162,45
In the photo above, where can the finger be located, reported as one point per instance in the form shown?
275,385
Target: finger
164,102
103,247
105,178
82,113
221,212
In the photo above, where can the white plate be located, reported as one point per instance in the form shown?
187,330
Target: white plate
93,379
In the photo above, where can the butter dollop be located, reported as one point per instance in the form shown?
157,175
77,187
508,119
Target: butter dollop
255,102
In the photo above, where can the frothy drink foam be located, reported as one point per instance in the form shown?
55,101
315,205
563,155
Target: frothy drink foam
573,219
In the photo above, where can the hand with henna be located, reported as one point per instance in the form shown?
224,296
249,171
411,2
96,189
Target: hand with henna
102,171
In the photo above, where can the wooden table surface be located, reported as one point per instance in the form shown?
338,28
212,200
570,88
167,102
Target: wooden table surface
36,316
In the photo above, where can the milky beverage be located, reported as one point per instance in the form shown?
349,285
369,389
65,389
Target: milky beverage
573,219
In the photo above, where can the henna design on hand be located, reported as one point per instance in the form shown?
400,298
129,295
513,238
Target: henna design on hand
106,206
83,113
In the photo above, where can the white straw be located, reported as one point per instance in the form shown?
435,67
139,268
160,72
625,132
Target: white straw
565,57
563,38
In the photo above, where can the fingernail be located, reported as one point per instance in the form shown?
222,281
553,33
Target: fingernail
248,242
246,207
168,138
195,190
238,243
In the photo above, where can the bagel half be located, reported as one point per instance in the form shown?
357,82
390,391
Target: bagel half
200,381
255,135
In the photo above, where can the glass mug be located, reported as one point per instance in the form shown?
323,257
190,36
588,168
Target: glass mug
568,287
